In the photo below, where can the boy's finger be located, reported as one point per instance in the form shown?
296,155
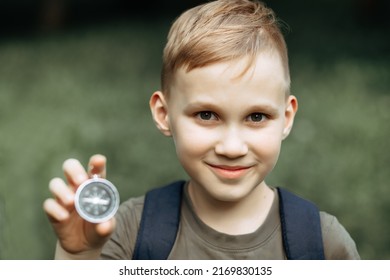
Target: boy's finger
106,228
74,172
61,192
54,210
97,165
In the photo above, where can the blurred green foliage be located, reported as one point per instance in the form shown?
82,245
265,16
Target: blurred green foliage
86,91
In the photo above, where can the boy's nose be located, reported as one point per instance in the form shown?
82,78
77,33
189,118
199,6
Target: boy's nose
231,144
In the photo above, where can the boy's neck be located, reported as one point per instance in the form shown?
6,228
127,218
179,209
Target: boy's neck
234,218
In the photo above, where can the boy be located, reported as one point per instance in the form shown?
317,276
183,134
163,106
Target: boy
225,101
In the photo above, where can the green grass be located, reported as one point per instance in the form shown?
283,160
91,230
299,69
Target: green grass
86,91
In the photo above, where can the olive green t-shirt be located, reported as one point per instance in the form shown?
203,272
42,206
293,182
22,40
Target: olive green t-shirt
195,240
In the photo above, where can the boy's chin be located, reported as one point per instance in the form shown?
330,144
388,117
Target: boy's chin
229,193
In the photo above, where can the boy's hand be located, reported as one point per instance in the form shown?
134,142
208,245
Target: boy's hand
75,235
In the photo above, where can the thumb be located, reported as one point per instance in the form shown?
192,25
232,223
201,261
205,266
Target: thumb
97,165
105,229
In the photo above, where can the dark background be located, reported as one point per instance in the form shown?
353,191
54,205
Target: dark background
23,16
76,76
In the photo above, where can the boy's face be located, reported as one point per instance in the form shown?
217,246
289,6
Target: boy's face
227,129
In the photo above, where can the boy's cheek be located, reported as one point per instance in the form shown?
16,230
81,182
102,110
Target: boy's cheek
193,142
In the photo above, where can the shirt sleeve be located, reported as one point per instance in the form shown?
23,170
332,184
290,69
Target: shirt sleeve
120,246
338,244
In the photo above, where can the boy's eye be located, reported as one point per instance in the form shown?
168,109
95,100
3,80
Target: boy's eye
256,117
206,115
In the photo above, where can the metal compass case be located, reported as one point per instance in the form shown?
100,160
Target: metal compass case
97,200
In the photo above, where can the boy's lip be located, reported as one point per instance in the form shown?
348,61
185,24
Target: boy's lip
229,171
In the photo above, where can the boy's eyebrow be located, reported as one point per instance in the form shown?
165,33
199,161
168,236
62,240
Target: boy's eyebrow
266,108
261,108
199,105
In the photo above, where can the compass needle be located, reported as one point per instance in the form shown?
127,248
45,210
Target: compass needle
97,200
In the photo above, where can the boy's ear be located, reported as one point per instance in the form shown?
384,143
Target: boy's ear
159,109
291,109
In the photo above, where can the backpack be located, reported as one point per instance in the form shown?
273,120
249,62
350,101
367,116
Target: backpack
300,220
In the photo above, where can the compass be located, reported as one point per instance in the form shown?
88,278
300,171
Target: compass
97,200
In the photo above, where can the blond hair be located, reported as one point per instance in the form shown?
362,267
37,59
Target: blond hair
221,31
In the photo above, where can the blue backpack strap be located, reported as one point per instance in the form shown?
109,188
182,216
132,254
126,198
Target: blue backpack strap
159,222
301,227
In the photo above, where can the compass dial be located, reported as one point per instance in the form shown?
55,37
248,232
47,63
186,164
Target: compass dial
97,200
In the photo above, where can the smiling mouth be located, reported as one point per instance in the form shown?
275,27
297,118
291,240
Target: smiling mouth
229,172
